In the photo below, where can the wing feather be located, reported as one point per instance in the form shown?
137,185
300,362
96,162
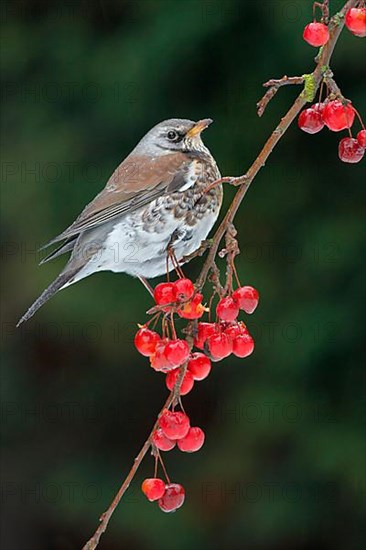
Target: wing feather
135,183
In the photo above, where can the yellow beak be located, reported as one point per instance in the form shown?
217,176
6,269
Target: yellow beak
199,127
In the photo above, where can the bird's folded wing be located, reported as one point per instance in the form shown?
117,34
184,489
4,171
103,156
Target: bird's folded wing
136,182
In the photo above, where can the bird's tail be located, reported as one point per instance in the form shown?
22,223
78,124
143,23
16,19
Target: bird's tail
57,284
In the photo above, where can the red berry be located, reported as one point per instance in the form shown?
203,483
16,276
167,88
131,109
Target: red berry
193,441
173,498
193,309
227,309
204,330
361,138
146,340
338,116
233,330
184,289
236,329
319,107
199,365
356,21
311,121
161,441
220,345
350,150
243,345
158,360
187,383
175,425
247,298
165,293
316,34
153,488
176,352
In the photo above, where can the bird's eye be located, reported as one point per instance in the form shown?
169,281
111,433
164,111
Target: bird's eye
172,135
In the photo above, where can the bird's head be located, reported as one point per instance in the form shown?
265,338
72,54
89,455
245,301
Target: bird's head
173,135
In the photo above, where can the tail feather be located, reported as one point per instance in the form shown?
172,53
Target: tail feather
56,285
65,247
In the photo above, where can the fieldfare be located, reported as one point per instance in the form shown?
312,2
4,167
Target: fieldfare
154,210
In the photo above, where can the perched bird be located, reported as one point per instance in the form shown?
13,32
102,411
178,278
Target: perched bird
154,210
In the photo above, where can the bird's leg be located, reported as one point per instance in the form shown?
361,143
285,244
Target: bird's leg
146,285
171,255
178,269
167,265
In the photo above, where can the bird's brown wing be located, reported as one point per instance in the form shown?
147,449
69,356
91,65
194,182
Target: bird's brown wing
137,181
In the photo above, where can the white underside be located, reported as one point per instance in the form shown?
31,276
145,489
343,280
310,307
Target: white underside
130,249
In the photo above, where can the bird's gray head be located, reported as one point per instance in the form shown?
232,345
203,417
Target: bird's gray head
175,134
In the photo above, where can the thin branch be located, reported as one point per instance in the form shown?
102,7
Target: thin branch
333,88
106,516
336,26
244,181
324,8
274,85
231,250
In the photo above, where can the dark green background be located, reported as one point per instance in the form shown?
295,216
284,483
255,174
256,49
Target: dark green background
283,464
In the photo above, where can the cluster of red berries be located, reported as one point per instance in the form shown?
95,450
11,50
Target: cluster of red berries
223,339
218,340
174,429
180,296
165,354
228,335
170,496
215,340
337,116
317,34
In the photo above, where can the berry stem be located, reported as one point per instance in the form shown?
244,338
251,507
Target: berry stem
163,466
156,457
321,91
164,328
180,402
210,307
236,276
153,321
172,325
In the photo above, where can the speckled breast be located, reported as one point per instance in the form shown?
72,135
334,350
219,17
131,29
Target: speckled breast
191,205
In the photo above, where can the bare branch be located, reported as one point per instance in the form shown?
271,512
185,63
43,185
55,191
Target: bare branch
274,85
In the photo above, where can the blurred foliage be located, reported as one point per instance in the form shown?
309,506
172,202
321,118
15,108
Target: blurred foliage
283,465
